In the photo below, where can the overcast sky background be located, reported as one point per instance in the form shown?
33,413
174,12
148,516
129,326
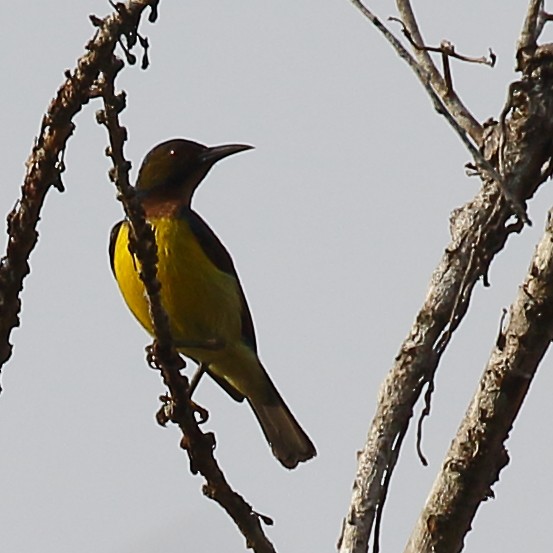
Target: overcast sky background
335,222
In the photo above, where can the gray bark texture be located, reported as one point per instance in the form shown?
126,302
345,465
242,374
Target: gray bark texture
519,147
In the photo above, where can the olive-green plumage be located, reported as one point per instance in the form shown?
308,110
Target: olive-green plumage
200,290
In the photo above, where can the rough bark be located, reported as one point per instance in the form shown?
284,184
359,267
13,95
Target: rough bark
477,455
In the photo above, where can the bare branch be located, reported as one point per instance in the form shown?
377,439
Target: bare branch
531,28
443,342
456,122
478,454
94,76
44,165
177,408
523,145
453,103
445,48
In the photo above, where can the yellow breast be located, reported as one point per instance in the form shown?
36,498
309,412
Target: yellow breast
202,302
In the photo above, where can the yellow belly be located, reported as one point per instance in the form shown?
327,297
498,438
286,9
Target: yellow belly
202,302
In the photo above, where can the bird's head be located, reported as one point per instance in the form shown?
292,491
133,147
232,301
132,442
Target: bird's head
175,168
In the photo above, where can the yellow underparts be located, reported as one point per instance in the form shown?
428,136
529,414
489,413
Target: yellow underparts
203,303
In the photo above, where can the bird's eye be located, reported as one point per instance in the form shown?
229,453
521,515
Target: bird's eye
172,153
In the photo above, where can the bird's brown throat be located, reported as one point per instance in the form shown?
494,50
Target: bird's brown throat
166,203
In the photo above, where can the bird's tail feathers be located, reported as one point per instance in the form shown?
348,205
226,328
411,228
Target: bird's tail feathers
289,442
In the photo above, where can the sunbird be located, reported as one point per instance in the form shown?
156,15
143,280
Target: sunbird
209,317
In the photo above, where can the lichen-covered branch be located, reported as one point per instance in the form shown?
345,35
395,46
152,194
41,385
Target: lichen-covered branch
477,453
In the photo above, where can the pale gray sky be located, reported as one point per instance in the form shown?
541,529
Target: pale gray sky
335,222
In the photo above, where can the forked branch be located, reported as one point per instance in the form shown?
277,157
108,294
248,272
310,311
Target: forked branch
520,148
477,454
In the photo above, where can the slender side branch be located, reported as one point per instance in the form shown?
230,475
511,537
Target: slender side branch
524,144
478,454
44,165
531,29
454,119
453,103
446,48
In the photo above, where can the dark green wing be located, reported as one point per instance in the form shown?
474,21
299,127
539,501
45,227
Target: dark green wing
220,257
112,239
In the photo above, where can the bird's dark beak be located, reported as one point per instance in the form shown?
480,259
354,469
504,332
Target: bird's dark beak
213,154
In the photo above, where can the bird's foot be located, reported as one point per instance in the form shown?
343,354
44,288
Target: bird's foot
166,412
202,412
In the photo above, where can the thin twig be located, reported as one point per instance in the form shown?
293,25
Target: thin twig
481,163
447,50
454,104
45,163
486,169
446,47
463,293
